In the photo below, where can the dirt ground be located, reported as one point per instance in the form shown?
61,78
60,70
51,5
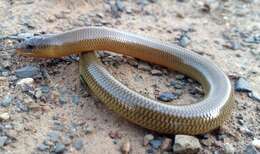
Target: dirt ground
217,30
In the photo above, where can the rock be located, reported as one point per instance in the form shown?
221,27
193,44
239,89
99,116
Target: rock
66,140
4,116
179,77
246,131
167,96
151,150
166,144
234,45
147,139
3,140
89,129
177,84
256,143
24,83
156,72
184,40
126,147
132,62
253,39
45,89
62,99
178,92
228,149
59,148
21,107
25,35
78,144
42,147
54,136
38,93
242,85
75,99
155,143
186,144
144,66
254,96
4,81
120,6
6,101
28,72
250,149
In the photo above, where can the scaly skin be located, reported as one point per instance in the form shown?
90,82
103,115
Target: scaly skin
193,119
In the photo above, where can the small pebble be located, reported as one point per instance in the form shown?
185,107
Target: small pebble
126,147
88,129
228,149
62,99
120,6
234,45
144,66
4,116
156,72
54,136
184,40
45,89
3,140
242,85
179,77
254,96
78,144
24,83
186,144
166,144
177,84
59,148
21,107
132,62
256,143
28,72
147,139
167,96
42,147
155,143
250,149
75,99
6,101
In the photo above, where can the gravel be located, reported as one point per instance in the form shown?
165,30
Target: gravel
186,144
250,149
167,96
59,148
144,66
3,140
78,144
42,147
6,101
28,72
155,143
21,107
184,40
242,85
256,143
147,139
254,96
54,136
4,116
228,149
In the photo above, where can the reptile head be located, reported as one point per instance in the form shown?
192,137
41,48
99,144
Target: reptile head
35,47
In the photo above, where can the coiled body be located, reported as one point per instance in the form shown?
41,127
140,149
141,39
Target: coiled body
184,119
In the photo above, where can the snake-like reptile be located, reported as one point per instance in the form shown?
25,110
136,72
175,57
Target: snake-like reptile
197,118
